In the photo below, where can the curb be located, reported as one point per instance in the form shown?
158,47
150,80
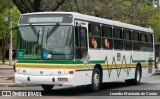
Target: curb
17,85
6,69
157,73
14,84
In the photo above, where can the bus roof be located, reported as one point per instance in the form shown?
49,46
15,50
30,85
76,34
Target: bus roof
98,20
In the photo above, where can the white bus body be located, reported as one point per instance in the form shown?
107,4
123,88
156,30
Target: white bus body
113,64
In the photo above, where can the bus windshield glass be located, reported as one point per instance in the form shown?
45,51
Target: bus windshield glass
47,42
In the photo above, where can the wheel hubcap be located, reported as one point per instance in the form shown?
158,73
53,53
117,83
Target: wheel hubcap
96,79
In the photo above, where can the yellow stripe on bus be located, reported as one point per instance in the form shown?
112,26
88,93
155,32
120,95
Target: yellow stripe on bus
51,66
75,66
118,65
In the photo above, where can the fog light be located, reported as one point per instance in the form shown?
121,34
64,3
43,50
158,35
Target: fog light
53,79
28,78
62,79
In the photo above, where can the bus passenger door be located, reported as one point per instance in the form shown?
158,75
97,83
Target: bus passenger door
81,45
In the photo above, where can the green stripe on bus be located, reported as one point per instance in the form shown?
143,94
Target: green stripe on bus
142,61
51,61
151,60
138,61
96,62
59,61
74,62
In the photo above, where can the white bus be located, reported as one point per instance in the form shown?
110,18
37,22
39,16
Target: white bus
68,48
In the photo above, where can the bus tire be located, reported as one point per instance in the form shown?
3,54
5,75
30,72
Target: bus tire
96,79
137,78
47,87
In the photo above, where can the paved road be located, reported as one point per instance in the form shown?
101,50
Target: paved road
7,73
149,83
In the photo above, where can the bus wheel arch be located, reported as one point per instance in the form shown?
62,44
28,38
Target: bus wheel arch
140,66
100,69
47,87
138,74
96,78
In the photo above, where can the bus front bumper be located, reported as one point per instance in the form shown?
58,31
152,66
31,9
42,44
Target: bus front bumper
40,79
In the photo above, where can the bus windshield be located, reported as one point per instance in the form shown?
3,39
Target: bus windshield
45,43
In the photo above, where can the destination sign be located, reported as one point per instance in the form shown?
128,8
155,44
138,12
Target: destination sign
45,18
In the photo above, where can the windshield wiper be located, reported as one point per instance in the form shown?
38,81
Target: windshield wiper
49,33
38,36
34,30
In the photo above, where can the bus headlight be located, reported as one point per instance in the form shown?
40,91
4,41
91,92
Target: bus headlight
24,71
59,72
19,71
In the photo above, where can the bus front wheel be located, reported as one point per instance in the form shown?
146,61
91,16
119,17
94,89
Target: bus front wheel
137,78
96,80
47,87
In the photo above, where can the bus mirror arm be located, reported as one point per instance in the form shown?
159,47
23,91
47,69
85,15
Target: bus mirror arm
50,32
8,38
12,29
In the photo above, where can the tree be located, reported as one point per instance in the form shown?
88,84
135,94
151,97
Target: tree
137,12
91,7
5,5
26,6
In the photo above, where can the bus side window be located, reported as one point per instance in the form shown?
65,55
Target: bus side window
144,40
118,38
127,34
136,40
81,42
150,42
107,42
94,35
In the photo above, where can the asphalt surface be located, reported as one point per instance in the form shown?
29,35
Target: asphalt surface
82,92
148,83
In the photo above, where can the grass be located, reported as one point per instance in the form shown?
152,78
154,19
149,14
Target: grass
6,60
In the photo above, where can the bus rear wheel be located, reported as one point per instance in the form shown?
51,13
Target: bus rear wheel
137,78
96,80
47,87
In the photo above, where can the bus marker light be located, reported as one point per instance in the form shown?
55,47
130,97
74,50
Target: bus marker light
65,72
71,72
62,79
